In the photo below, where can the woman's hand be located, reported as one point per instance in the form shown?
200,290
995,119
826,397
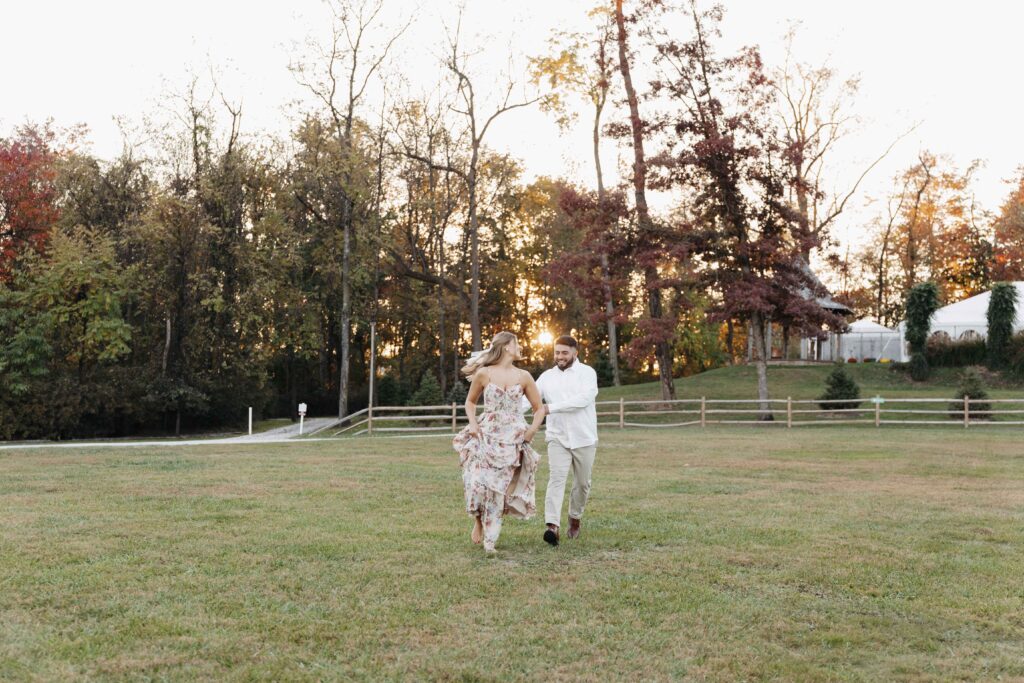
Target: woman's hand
529,434
474,429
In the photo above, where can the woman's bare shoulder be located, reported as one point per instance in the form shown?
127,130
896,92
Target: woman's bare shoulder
525,378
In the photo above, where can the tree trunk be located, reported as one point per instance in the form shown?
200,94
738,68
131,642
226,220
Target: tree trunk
730,340
346,313
613,329
441,343
606,276
757,331
803,206
439,236
347,210
662,349
880,299
293,387
167,345
474,253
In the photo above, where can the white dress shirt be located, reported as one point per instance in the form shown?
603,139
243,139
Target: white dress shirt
570,395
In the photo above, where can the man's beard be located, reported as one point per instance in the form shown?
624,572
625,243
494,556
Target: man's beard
563,364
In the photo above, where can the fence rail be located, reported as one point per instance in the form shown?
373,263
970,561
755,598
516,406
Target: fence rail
701,412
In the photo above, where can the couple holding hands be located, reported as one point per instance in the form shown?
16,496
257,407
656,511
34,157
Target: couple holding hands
499,463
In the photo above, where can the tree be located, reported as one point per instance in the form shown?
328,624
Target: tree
841,391
430,175
656,329
457,394
922,302
591,262
885,310
814,113
64,332
428,393
934,231
722,148
593,80
28,192
1008,247
972,388
339,83
1001,316
477,123
913,226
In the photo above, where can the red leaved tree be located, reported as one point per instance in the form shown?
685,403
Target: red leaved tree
599,269
28,193
723,149
657,327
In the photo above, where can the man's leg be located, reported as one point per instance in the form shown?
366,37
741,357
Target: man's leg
559,462
582,466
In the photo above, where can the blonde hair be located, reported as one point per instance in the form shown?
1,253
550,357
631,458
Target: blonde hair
491,355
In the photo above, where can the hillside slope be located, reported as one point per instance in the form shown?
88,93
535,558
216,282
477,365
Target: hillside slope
807,382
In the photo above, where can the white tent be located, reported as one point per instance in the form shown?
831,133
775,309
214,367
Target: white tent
868,339
967,319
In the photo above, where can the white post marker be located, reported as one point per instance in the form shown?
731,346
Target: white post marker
250,420
878,401
302,416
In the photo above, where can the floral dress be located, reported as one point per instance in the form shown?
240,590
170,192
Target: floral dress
498,468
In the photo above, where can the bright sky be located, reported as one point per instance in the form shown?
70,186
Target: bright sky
951,66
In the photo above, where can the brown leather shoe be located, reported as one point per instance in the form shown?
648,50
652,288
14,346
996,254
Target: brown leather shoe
574,527
551,535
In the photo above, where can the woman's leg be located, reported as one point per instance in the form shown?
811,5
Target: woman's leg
493,507
478,530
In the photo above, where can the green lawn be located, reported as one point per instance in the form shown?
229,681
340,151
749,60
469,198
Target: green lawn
807,382
718,554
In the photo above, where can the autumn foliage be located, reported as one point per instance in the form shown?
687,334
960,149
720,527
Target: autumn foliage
28,193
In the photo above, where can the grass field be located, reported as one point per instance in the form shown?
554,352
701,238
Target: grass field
808,382
722,554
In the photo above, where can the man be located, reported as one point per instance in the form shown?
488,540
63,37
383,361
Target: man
569,390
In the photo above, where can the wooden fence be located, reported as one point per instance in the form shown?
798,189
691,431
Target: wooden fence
701,412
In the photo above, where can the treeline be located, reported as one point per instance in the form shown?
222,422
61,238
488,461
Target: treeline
932,229
213,269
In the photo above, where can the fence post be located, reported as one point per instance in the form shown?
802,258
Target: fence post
369,420
967,411
878,411
703,411
622,413
789,412
454,418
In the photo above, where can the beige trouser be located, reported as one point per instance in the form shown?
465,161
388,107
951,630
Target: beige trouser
560,460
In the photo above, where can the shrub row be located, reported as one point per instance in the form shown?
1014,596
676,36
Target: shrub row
955,354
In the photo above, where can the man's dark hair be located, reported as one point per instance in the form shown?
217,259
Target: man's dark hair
566,340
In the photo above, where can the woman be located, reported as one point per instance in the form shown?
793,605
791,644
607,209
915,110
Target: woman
498,462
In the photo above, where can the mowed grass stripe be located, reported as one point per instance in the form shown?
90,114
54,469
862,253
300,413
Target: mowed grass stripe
838,554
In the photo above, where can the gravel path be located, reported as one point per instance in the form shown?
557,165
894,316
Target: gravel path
278,435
